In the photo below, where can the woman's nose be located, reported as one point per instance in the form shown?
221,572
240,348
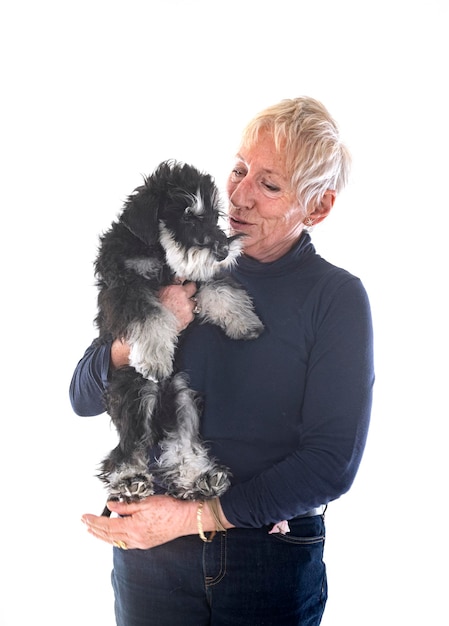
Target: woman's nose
241,194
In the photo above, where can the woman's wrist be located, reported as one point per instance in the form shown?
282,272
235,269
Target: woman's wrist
119,354
210,519
222,524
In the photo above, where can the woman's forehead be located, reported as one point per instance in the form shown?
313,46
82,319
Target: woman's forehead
263,155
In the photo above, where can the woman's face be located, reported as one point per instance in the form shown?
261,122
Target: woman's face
263,204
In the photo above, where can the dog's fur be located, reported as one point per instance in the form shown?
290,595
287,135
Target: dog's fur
167,231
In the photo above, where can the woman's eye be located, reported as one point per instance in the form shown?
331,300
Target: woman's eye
238,172
271,187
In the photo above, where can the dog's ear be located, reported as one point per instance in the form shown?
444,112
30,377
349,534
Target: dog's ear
140,215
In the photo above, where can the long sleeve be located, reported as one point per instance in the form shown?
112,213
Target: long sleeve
334,419
289,412
90,379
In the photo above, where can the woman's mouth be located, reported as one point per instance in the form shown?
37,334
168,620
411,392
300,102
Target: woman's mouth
237,223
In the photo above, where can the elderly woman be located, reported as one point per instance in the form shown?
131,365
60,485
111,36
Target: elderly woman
288,413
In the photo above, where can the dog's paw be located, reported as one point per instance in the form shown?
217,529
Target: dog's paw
247,327
229,307
132,488
156,371
212,484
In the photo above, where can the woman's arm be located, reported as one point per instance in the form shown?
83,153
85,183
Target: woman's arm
153,521
90,377
334,419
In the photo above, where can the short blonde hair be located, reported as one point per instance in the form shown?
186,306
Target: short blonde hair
317,160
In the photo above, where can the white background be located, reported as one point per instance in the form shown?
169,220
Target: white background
97,93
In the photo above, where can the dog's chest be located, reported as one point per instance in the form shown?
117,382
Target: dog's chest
149,268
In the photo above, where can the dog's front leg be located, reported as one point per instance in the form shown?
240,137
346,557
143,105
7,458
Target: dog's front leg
153,343
226,303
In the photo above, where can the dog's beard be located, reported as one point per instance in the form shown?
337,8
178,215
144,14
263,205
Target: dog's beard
195,263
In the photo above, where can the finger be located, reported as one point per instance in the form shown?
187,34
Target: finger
105,526
190,289
195,308
107,529
124,508
117,541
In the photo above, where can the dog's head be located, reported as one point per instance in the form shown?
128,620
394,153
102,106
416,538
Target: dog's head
179,207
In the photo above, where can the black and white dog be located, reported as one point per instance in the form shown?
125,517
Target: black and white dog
168,231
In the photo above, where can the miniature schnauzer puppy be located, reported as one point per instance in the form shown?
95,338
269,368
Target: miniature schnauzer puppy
167,232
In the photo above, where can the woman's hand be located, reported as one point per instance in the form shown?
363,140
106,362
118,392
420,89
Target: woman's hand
179,299
150,522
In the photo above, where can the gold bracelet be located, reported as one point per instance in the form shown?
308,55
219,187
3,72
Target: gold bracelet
213,507
199,513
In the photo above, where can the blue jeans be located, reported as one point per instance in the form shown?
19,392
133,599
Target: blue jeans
245,577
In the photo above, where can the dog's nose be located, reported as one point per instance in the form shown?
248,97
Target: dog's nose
221,250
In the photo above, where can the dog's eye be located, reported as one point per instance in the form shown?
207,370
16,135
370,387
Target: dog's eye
189,213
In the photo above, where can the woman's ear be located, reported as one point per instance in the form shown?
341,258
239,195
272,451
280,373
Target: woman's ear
323,209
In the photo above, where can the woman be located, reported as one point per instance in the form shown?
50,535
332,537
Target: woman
288,413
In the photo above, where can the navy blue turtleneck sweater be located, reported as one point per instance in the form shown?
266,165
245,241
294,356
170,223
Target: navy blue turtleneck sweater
288,413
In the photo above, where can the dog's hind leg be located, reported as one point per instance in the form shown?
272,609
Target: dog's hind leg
131,402
186,469
128,480
225,303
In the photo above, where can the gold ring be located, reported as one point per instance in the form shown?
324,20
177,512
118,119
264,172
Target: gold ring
120,544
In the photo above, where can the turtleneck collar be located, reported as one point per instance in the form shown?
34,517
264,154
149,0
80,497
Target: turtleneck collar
303,249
